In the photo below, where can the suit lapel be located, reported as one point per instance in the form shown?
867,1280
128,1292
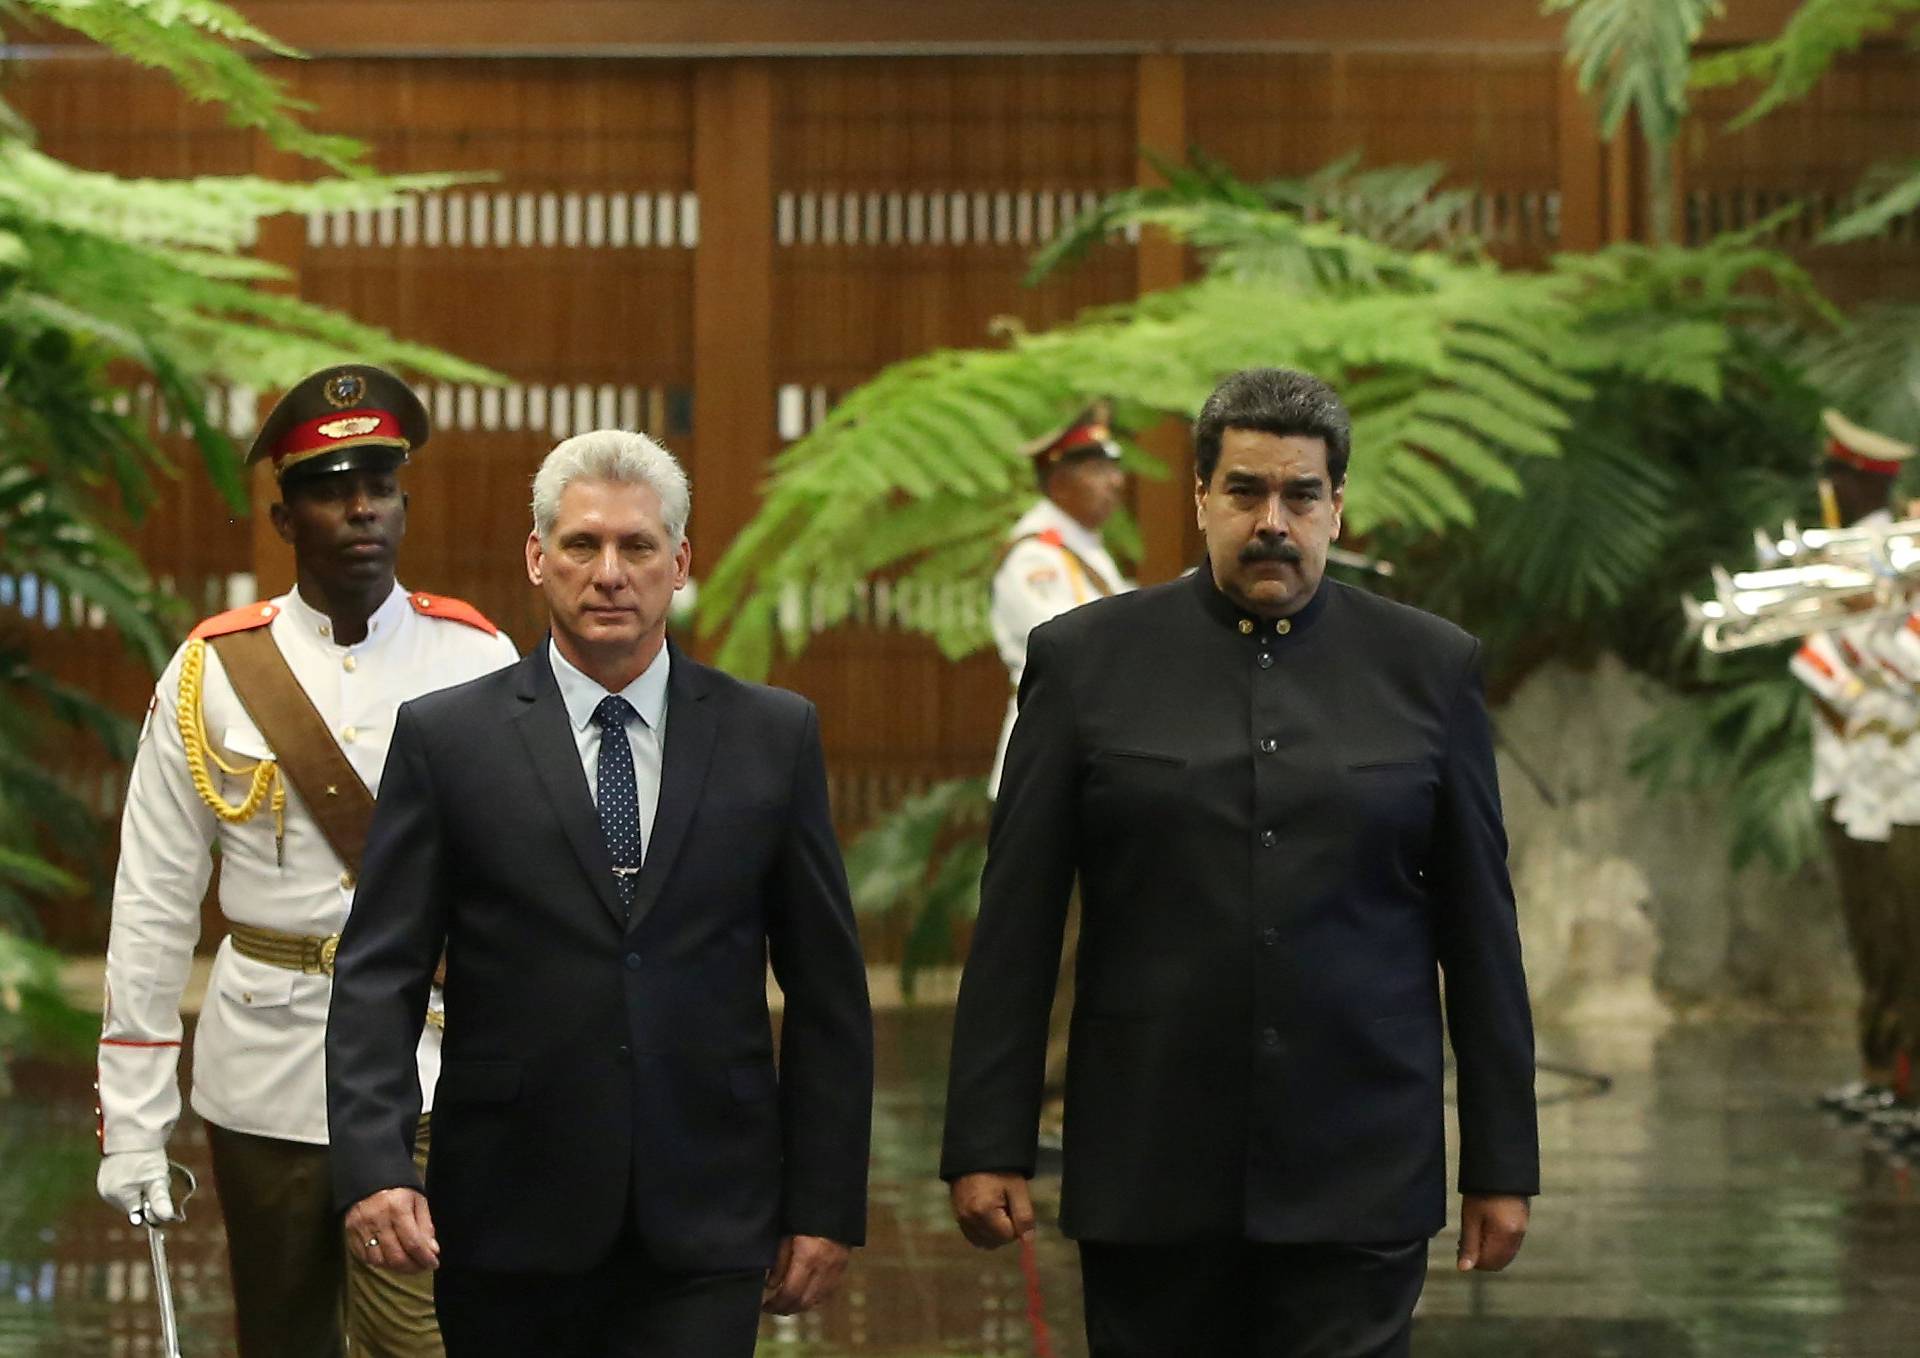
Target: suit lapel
691,726
548,735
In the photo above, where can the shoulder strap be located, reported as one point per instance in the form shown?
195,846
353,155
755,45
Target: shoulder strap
235,620
307,753
1052,538
453,610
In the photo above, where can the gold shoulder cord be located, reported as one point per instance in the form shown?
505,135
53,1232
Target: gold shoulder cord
265,773
1082,588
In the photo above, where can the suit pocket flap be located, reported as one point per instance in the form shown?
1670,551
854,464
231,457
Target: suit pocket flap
478,1082
1389,762
1172,761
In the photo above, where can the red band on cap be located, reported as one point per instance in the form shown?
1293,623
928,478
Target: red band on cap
336,429
1080,436
1839,452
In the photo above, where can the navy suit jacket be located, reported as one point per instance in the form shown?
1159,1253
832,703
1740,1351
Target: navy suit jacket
606,1072
1283,836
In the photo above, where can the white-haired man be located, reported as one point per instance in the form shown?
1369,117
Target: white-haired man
610,841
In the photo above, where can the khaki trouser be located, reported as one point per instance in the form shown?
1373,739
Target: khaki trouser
300,1290
1880,901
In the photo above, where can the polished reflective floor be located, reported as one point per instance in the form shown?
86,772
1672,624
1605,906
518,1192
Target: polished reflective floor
1699,1208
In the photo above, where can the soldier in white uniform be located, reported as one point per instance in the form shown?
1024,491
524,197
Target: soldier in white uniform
1866,682
1054,559
324,667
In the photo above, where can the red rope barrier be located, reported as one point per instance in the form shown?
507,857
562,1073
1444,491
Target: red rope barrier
1036,1304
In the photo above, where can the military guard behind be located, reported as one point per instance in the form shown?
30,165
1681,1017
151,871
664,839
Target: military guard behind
1054,559
265,741
1866,680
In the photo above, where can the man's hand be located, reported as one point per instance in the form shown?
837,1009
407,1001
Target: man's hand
808,1269
1492,1226
993,1209
393,1229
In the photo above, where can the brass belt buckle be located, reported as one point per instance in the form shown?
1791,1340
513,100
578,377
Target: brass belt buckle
328,947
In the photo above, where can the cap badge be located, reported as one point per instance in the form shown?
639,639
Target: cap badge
345,389
352,426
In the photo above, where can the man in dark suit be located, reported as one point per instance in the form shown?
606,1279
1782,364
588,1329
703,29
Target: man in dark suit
610,842
1278,794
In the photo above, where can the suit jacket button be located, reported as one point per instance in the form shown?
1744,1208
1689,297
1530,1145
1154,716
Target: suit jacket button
1268,838
1269,937
1266,661
625,1054
633,961
1270,1037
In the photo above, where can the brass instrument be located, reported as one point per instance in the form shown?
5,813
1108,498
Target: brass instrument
1809,581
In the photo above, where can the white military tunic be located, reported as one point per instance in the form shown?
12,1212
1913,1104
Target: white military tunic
259,1050
1042,578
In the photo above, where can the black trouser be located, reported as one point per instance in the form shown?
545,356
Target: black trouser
1878,902
1218,1298
625,1307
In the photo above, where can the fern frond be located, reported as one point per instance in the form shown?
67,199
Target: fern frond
196,42
1636,55
1892,191
1818,34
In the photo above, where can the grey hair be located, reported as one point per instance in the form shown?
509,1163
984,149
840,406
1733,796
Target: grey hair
616,455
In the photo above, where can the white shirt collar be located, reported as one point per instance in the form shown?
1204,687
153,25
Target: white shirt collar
315,624
582,695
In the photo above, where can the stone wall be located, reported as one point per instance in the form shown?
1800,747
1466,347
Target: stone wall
1629,908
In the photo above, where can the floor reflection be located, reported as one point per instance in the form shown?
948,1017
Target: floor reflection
1699,1209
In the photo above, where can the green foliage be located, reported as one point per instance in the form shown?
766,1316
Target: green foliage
1870,367
1747,737
924,860
1820,32
1398,205
1890,191
1636,54
194,41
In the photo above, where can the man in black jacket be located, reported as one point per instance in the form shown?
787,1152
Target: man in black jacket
1278,794
611,841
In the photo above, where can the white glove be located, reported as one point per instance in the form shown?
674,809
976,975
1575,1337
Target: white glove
136,1183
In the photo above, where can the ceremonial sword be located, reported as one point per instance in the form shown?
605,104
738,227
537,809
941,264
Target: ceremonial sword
157,1251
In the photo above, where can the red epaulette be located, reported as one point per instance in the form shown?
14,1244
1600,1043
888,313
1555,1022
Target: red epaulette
453,610
1050,536
235,620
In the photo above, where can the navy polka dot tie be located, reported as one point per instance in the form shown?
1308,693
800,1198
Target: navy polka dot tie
619,802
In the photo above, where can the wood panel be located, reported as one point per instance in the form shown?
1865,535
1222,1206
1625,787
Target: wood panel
909,195
720,28
1866,112
1491,118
